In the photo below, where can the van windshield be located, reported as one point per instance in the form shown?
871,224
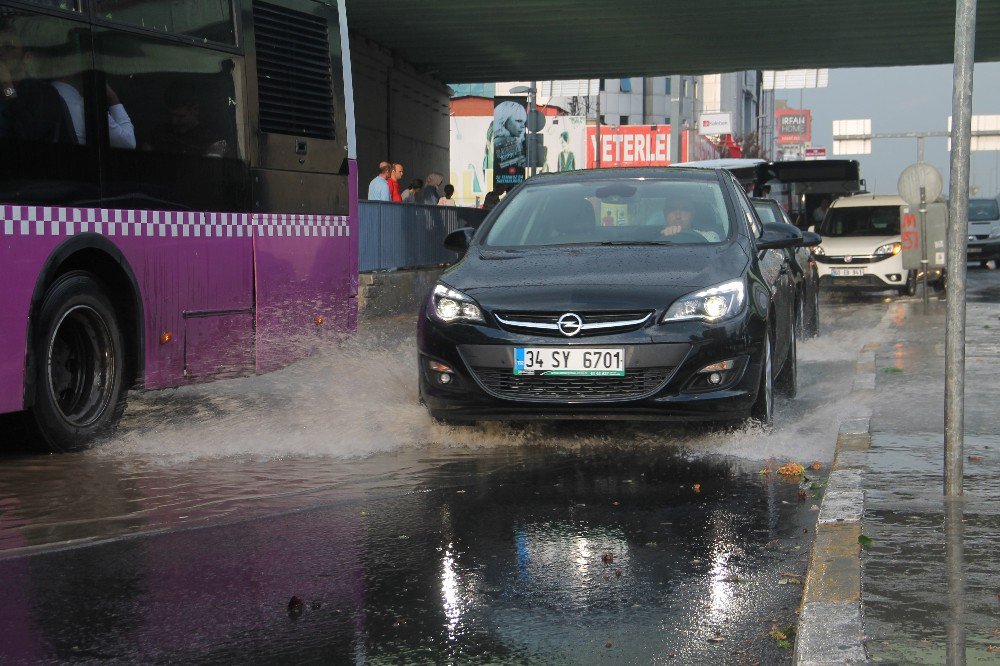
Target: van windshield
861,221
983,210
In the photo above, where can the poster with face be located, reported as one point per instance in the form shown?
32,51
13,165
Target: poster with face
509,160
565,146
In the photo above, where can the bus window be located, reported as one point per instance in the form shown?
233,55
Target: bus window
207,20
188,117
46,109
64,5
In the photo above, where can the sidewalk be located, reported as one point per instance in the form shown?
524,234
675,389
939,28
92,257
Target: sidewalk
930,585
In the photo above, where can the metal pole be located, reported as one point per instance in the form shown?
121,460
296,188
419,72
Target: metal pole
954,556
530,154
957,244
597,132
924,251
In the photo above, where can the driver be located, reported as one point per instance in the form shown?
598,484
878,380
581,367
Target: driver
678,216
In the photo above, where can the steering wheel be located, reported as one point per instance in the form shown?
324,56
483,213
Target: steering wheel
685,237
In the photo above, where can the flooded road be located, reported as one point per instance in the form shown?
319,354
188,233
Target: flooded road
187,535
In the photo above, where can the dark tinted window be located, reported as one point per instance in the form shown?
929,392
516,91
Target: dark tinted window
209,20
190,141
861,221
47,110
64,5
982,210
609,211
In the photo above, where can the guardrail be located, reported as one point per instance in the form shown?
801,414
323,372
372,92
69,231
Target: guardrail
394,235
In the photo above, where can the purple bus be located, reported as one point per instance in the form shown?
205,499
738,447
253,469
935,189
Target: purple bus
178,198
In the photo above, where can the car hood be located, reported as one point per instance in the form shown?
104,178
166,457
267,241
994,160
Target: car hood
839,247
620,277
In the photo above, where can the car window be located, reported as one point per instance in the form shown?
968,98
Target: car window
861,221
613,210
766,212
983,210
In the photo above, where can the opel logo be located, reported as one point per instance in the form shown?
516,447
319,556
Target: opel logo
848,259
570,324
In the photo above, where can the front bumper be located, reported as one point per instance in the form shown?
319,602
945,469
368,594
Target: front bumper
660,383
861,274
983,250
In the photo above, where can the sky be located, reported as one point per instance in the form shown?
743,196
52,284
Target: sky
903,99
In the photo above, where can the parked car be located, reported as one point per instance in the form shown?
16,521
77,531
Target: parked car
613,294
861,245
803,266
984,231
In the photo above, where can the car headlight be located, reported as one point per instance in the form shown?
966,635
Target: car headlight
995,233
450,305
713,304
818,251
888,248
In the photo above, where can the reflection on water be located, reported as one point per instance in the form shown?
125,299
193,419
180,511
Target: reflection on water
516,556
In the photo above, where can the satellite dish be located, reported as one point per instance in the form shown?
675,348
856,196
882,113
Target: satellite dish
916,176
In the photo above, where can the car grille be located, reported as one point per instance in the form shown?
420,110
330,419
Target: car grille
594,323
637,383
979,237
855,259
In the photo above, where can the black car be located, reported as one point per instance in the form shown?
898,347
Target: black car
802,263
613,294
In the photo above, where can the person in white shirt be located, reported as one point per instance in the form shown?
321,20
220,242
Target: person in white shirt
121,133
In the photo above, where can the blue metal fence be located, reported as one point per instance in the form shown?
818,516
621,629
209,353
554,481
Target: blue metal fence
394,235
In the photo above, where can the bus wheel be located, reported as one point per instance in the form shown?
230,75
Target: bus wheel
79,364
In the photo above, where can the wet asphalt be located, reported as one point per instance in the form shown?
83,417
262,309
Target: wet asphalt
291,517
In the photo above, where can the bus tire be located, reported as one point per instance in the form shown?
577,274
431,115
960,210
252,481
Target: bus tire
79,364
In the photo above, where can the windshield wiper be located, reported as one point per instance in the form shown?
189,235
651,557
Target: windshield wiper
639,242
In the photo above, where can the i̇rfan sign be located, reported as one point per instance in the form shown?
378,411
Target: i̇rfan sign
794,126
629,145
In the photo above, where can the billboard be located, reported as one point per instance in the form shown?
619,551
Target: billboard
509,159
629,145
794,126
715,123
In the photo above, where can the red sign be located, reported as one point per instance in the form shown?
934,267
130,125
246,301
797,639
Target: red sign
794,126
815,153
630,145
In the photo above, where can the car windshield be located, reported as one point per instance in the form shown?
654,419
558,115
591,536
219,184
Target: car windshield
614,211
983,210
861,221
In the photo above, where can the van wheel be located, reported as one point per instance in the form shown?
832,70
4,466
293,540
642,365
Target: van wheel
79,364
762,410
910,288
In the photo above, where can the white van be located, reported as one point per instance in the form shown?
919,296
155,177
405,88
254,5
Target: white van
861,244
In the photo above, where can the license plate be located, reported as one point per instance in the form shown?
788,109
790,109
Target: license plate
847,272
570,361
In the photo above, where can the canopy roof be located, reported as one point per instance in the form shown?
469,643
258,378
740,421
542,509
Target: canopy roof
458,41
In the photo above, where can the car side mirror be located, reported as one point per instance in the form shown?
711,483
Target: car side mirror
779,236
811,239
458,240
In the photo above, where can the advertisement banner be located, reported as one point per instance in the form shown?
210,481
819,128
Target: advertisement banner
629,145
565,144
509,159
471,158
794,126
715,123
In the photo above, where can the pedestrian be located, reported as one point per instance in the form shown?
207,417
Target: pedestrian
410,192
820,211
394,178
446,200
491,199
430,193
378,188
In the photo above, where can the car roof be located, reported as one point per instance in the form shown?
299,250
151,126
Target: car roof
868,200
671,172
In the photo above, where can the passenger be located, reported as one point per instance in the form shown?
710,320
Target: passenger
121,133
378,188
410,192
184,132
446,200
820,211
679,217
394,176
30,109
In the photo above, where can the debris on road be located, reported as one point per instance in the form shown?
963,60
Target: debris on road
791,469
